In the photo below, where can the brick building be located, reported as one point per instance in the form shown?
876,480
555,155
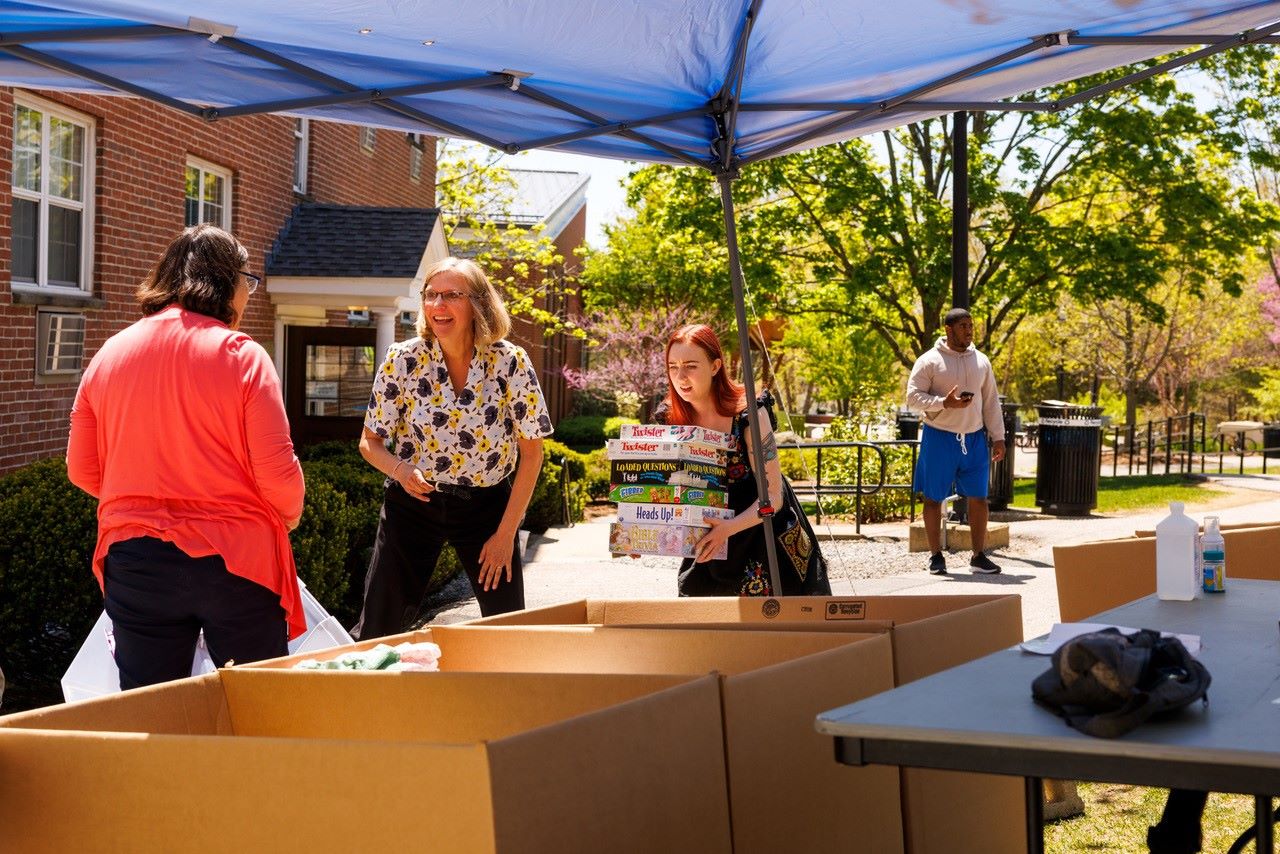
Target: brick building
99,186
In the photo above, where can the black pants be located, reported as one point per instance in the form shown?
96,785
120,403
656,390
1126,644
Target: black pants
159,598
411,533
1179,829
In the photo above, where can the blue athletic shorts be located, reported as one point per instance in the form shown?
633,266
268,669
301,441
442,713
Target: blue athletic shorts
943,464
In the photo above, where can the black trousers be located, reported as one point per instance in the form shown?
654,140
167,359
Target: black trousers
411,533
159,599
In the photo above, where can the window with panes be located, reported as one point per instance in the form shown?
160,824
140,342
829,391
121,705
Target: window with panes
208,195
52,193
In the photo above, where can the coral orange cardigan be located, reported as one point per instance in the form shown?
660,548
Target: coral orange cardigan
179,431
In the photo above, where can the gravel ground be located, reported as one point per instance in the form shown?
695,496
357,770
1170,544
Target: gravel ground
885,555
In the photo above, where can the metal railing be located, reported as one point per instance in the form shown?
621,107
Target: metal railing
1181,444
1145,447
860,487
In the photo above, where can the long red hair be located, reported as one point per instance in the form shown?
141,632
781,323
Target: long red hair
729,395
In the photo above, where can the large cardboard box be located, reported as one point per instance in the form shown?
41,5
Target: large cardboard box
944,811
1098,576
788,794
269,760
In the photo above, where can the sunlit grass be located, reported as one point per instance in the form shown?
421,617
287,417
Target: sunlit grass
1116,819
1138,492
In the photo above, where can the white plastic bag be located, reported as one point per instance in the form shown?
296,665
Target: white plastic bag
93,672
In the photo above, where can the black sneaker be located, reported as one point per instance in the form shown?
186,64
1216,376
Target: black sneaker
983,565
938,564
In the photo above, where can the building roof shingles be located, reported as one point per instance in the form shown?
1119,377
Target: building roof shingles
341,241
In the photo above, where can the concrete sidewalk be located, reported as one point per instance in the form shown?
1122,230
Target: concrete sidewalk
574,563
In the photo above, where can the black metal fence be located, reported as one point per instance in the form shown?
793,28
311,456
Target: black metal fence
1182,444
816,488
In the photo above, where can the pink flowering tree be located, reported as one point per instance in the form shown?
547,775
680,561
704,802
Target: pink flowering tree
626,354
1270,291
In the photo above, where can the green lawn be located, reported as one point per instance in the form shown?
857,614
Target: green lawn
1116,819
1139,492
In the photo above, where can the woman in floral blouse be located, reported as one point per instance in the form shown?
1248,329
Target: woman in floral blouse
454,412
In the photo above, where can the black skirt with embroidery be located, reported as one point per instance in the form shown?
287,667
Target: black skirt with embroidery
745,572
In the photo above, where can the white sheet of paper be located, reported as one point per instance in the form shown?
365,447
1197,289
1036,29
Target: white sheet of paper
1063,632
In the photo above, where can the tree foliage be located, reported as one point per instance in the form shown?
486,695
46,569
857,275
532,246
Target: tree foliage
1102,202
627,355
476,192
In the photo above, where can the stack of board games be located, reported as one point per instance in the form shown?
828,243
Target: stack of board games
668,481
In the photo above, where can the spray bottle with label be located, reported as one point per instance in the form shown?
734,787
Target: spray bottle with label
1176,555
1213,549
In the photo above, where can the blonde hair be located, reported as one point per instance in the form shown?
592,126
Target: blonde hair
490,321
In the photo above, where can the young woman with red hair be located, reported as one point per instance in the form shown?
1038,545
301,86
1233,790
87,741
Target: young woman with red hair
700,392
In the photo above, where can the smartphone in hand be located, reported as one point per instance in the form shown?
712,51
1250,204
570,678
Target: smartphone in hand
966,395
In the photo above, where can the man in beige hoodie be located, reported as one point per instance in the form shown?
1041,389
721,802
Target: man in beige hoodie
955,388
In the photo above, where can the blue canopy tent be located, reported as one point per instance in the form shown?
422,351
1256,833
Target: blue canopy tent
710,83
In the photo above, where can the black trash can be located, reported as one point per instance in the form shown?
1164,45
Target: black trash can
1000,492
1271,440
908,424
1069,454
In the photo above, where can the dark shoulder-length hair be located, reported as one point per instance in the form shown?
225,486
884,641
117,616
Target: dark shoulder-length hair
198,271
730,396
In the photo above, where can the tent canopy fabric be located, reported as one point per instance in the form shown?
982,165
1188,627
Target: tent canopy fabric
652,81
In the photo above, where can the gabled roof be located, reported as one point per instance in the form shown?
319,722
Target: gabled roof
548,197
341,241
540,194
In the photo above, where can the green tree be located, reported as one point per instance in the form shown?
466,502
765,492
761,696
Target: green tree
1101,201
476,192
821,360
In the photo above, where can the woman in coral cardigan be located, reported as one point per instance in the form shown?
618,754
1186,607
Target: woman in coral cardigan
179,431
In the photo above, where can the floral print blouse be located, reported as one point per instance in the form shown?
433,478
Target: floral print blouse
468,438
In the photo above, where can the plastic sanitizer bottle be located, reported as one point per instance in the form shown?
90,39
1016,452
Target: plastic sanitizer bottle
1214,564
1176,555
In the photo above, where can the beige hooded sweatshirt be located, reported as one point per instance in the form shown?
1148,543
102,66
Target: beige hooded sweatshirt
937,371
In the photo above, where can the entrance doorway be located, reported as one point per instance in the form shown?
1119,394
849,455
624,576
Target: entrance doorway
328,377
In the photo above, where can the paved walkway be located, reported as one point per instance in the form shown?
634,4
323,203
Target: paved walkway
573,563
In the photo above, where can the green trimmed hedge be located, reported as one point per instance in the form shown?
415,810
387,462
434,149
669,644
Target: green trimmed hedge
547,505
49,598
588,432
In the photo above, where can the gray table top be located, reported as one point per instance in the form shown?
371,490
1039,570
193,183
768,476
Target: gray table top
980,716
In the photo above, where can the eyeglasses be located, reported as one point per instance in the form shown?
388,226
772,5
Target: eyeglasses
451,297
253,281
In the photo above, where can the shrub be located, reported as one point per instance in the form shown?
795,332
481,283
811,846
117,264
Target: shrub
321,543
49,598
613,426
840,466
590,402
547,505
597,478
582,431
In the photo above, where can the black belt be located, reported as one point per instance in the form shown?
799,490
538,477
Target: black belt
455,489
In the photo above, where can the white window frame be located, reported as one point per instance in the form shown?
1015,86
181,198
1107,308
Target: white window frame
417,154
204,167
368,138
302,143
85,205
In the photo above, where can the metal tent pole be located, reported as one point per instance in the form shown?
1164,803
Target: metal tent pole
960,210
748,379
